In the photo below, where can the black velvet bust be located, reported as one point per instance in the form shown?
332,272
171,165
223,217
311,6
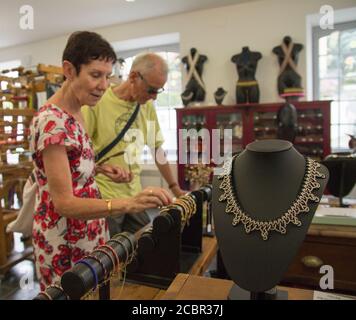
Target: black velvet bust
267,177
219,95
195,88
289,77
287,122
247,89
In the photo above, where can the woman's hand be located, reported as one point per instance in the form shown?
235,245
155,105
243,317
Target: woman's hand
150,197
115,173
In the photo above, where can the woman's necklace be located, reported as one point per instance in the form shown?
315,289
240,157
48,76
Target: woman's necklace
280,223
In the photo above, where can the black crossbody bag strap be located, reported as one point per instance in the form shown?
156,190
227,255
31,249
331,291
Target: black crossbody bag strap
103,152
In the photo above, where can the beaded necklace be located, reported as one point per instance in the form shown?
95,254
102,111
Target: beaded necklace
280,223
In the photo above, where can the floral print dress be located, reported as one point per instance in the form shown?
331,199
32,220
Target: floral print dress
58,241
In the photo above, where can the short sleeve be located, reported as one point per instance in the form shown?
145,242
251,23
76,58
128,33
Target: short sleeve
55,129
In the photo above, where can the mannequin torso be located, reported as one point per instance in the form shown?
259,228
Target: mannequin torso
288,54
195,88
246,64
200,62
294,54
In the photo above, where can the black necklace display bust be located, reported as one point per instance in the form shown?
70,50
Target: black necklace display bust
262,222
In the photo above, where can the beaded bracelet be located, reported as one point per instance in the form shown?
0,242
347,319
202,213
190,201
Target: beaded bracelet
194,205
56,286
167,212
164,210
190,206
46,294
132,243
148,230
122,245
189,201
100,263
186,209
168,208
110,257
186,206
182,210
117,264
92,270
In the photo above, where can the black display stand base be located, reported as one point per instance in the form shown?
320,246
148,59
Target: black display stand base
237,293
187,260
104,292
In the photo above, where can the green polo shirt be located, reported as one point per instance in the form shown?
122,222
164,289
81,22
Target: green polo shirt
104,122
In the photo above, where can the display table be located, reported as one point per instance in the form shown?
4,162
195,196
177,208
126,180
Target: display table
133,291
326,244
209,250
191,287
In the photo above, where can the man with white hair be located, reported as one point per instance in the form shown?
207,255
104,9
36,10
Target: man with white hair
107,119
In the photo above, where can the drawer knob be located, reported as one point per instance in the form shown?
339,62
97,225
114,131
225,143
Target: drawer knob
312,262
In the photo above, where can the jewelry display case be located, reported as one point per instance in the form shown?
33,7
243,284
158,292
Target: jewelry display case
247,123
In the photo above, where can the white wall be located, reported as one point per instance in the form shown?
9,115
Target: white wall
218,33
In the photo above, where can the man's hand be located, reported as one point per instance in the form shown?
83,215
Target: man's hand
115,173
178,192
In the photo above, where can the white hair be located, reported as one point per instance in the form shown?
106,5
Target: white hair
148,62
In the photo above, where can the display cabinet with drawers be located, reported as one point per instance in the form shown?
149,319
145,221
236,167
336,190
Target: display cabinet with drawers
247,123
328,250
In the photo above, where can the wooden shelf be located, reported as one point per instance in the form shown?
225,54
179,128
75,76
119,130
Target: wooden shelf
17,112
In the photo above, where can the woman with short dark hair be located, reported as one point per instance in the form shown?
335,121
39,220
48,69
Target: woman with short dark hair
69,219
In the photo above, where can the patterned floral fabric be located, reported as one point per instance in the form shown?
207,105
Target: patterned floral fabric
58,241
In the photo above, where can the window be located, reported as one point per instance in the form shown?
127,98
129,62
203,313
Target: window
335,78
168,100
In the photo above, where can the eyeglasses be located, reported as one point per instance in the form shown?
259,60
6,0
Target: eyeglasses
150,90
